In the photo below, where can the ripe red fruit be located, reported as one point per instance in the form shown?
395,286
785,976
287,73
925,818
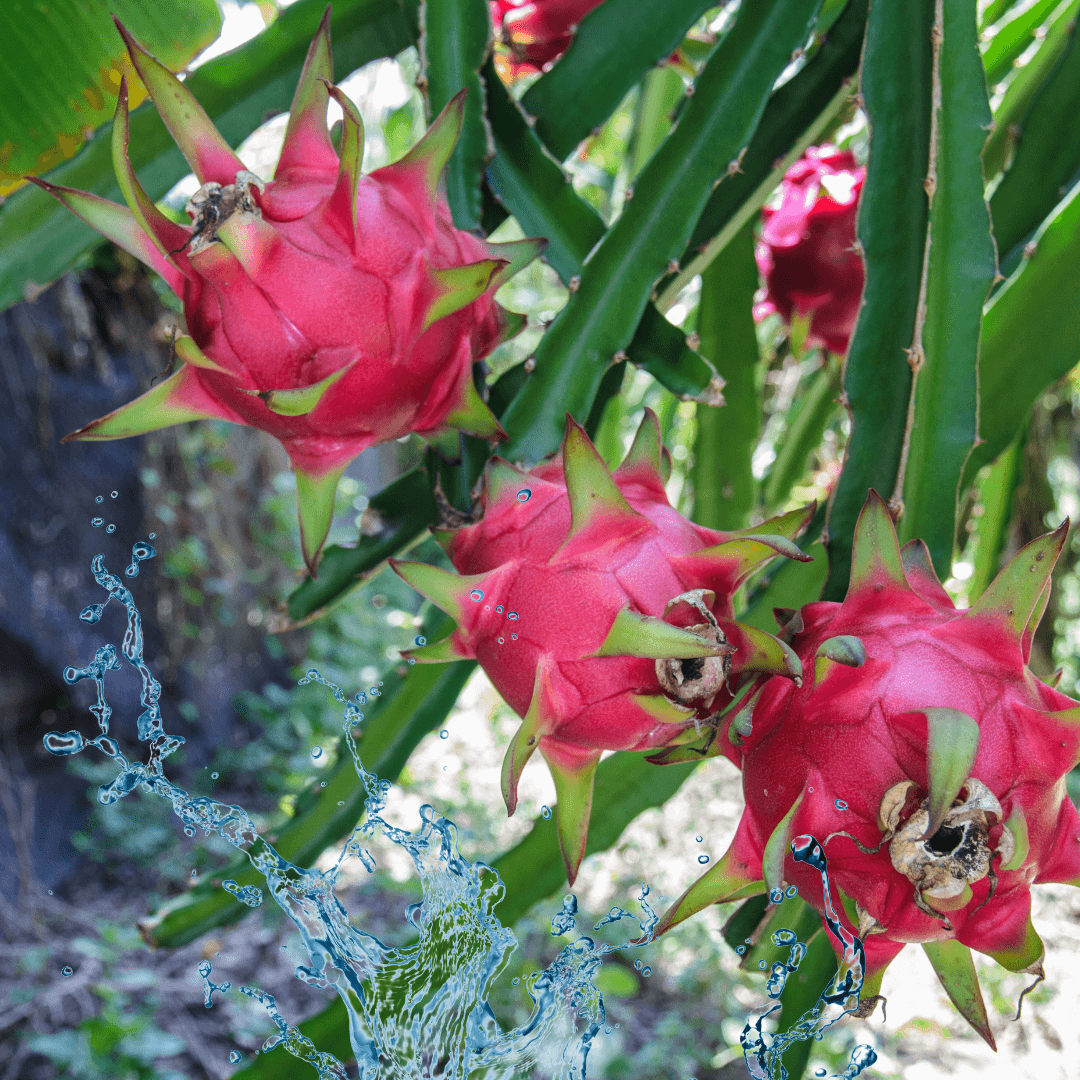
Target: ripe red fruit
600,613
923,755
537,31
807,253
333,309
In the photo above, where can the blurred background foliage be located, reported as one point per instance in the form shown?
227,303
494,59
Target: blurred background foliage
232,592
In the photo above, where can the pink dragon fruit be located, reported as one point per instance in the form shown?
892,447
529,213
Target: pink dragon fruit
923,755
332,309
599,612
536,31
807,253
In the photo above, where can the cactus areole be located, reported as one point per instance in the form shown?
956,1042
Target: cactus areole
924,755
600,613
331,308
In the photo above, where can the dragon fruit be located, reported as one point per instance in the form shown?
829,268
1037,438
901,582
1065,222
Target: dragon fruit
332,309
536,31
807,253
600,613
923,755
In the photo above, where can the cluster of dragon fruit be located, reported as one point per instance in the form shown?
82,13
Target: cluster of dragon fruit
336,310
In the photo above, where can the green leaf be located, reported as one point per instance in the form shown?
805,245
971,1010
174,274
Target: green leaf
40,239
661,92
1047,156
533,187
63,62
1016,364
796,116
725,490
615,45
960,267
892,219
404,509
411,706
995,10
1022,89
812,412
995,494
454,41
1013,37
655,225
660,348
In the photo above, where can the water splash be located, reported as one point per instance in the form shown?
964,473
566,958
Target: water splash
205,967
837,1000
415,1011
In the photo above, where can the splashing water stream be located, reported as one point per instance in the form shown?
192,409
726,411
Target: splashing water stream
421,1010
418,1010
837,1000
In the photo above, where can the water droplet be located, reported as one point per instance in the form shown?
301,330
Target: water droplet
791,890
99,499
821,1072
153,536
502,641
637,964
66,972
740,949
411,661
235,1057
476,595
97,522
113,494
698,839
214,776
703,859
110,528
512,616
194,873
840,804
444,734
545,812
499,608
419,640
323,784
646,971
316,753
516,980
513,637
762,964
92,613
776,896
524,495
189,830
810,790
